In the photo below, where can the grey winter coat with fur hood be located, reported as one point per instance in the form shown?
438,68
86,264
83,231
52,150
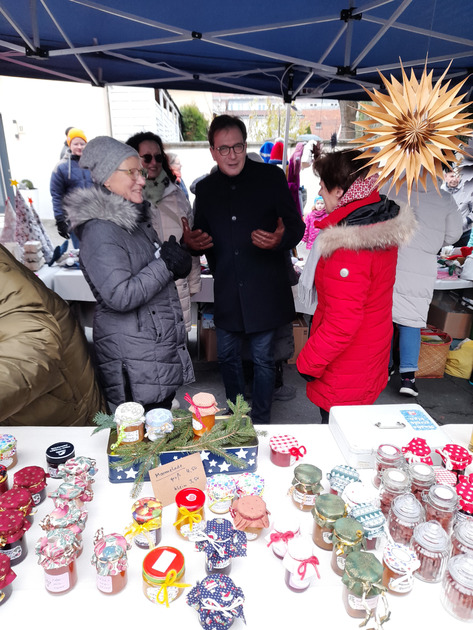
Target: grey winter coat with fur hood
139,332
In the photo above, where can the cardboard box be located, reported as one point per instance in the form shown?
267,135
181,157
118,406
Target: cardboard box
300,330
450,315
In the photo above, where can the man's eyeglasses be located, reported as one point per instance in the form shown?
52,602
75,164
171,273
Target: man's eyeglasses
147,157
134,173
224,150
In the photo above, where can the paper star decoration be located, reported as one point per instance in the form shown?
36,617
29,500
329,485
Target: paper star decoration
224,466
13,182
414,126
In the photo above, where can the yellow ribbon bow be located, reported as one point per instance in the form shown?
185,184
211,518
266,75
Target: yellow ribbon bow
190,517
170,580
135,529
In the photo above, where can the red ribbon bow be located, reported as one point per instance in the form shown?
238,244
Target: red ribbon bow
314,561
298,452
276,537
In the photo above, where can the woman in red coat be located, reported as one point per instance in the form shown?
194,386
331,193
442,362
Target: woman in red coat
345,359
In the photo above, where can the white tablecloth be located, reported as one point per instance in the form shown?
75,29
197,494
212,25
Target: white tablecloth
269,604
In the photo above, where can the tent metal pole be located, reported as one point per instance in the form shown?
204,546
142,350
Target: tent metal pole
286,137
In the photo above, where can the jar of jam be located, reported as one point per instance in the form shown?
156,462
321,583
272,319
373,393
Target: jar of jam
130,419
69,517
13,526
283,529
462,537
422,477
328,508
190,512
405,514
18,499
58,454
33,478
340,476
226,601
250,515
362,586
347,537
387,456
394,482
3,479
399,562
464,489
145,528
285,450
163,575
301,564
431,544
85,467
203,407
306,486
110,561
441,503
7,575
248,484
158,422
357,493
220,543
221,490
457,587
455,458
68,493
57,553
8,454
373,522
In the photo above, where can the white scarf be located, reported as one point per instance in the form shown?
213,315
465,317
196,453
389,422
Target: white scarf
306,286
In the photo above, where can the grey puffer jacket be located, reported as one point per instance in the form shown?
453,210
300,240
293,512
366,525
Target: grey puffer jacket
139,332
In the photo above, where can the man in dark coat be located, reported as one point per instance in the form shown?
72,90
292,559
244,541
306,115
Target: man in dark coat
245,222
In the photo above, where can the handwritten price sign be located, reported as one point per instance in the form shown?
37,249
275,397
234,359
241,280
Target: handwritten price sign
167,480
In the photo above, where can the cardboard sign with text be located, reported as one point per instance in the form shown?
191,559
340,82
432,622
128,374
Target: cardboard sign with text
167,480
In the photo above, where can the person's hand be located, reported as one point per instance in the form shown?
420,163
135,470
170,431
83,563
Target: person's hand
177,259
62,228
196,240
268,240
307,377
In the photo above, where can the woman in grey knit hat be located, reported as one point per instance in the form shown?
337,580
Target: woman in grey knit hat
139,332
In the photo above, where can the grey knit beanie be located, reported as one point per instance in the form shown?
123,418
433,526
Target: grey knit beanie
103,155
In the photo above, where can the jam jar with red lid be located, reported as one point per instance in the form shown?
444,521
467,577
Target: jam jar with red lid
457,587
462,537
250,515
163,575
405,514
347,537
285,450
422,477
431,544
399,562
3,479
394,482
33,478
18,499
441,504
7,575
301,564
327,510
13,526
110,561
387,456
190,512
57,552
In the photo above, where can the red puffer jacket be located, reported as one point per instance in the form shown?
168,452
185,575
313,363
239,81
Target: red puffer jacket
349,345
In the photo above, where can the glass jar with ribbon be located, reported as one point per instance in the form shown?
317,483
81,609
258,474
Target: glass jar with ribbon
218,601
327,510
163,575
33,478
221,490
221,543
13,526
145,528
340,476
399,563
66,516
306,486
158,422
18,499
203,407
347,537
190,512
283,529
301,564
248,484
57,553
129,418
7,575
250,515
285,450
83,466
110,561
69,493
455,458
8,452
363,590
373,522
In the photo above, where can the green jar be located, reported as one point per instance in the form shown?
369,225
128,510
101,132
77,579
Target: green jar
347,536
363,587
327,510
306,486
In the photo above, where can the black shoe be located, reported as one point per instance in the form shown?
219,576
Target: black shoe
408,387
285,392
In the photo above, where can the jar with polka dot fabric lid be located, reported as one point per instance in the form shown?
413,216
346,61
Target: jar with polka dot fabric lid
455,458
464,490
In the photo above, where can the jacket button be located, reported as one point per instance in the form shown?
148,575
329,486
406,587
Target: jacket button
153,312
344,272
233,218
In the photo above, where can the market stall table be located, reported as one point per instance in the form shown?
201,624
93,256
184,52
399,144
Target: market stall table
268,602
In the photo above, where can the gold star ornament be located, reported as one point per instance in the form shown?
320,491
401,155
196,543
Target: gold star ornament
412,130
13,182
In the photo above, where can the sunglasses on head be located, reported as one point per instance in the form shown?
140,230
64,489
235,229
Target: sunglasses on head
147,157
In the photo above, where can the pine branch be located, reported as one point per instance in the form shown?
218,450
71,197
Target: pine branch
103,421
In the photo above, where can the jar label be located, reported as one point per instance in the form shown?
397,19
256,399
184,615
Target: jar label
52,472
164,561
6,462
57,583
251,535
356,603
197,528
341,561
401,584
221,507
104,583
14,552
131,436
197,425
36,498
298,583
303,498
142,539
327,537
152,593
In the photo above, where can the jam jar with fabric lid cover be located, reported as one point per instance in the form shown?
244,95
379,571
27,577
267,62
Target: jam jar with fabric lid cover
130,419
357,492
373,522
347,537
457,587
441,503
33,478
221,490
218,601
432,547
399,562
285,527
301,564
190,512
306,486
462,537
66,516
145,528
13,526
7,575
220,543
158,422
203,407
394,482
18,499
464,490
363,588
82,466
57,454
250,515
387,456
68,492
422,477
163,575
110,561
455,458
340,476
57,552
328,508
3,479
249,484
285,450
405,514
8,454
